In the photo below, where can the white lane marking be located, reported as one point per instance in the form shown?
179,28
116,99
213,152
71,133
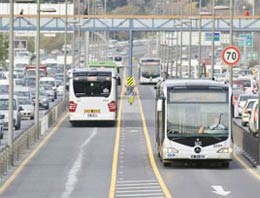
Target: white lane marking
137,181
72,177
137,191
220,191
141,195
138,187
140,184
133,131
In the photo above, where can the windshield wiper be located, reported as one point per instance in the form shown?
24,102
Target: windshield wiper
173,131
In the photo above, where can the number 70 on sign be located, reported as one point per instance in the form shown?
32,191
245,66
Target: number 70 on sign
231,55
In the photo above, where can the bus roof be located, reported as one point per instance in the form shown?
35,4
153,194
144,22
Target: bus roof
102,64
79,70
193,83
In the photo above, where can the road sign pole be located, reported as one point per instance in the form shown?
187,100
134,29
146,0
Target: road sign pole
130,54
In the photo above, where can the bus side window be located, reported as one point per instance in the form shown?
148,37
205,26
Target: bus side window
161,124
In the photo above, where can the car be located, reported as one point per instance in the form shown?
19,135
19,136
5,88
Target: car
49,92
27,108
30,82
23,92
240,104
119,61
2,76
2,126
4,102
247,111
249,83
18,82
49,82
245,72
253,121
43,100
59,84
109,54
4,87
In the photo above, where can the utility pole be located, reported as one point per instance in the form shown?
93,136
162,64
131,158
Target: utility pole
200,66
190,39
11,81
213,40
181,39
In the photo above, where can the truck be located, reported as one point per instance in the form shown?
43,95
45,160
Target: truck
30,70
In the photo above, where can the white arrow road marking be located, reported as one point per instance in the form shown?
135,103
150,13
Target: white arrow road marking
133,131
72,177
220,191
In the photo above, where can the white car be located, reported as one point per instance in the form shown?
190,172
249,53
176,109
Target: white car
249,83
49,81
253,121
247,111
27,108
4,102
240,104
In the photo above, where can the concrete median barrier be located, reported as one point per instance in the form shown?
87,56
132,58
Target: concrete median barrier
246,143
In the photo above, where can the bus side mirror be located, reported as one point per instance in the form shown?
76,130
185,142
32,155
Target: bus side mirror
118,81
159,105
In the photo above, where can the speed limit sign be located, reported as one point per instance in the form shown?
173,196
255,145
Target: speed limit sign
231,55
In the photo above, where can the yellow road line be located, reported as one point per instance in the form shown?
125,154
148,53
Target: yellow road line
116,147
150,151
9,181
248,168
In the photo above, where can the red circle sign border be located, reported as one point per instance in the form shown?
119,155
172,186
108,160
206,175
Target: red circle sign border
234,48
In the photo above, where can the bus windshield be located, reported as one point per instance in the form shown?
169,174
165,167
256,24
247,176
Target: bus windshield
197,113
92,85
150,71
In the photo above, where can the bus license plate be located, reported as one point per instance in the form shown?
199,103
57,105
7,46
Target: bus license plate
92,115
197,157
92,111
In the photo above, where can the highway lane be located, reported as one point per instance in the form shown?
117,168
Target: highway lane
198,180
26,124
76,162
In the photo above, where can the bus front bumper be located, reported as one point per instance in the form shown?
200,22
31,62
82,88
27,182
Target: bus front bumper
171,156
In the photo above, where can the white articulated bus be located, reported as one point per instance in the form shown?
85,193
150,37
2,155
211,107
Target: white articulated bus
92,95
150,70
193,121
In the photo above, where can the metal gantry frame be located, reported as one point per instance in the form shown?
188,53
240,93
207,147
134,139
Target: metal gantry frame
94,23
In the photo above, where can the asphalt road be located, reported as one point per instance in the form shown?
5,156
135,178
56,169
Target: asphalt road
77,163
26,124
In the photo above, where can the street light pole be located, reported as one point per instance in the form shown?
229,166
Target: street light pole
213,40
37,51
65,52
181,40
199,72
190,38
11,81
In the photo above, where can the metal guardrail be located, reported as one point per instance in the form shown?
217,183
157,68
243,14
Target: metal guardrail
28,138
247,143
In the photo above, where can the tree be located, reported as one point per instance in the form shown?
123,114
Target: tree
3,48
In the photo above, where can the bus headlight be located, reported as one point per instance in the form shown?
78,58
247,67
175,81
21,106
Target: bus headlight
171,150
225,150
